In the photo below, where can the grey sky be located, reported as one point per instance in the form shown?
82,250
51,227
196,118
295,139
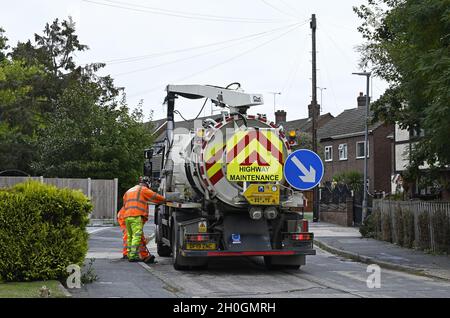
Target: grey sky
255,42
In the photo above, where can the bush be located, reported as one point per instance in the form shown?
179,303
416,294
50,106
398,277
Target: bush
369,227
42,231
386,227
377,222
424,242
398,226
408,229
441,231
353,179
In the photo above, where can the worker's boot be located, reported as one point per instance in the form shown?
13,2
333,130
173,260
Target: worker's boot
125,257
150,260
134,260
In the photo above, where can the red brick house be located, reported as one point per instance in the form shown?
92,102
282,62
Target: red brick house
342,141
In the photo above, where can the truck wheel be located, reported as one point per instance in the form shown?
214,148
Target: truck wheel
268,261
296,267
176,250
161,249
270,265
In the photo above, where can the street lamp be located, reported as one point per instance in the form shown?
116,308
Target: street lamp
321,91
274,98
366,137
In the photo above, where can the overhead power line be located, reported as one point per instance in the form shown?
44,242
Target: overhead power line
289,6
179,14
200,54
159,54
185,13
277,9
296,66
220,63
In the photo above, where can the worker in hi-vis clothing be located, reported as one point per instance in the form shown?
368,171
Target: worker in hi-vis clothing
135,212
144,254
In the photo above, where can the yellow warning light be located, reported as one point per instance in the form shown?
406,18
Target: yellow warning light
292,133
200,133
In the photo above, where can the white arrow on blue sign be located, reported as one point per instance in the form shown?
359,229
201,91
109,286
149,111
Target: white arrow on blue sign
303,169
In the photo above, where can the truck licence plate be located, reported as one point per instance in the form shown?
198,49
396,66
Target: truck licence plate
200,246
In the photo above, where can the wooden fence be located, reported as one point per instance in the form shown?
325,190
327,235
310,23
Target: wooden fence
419,224
102,193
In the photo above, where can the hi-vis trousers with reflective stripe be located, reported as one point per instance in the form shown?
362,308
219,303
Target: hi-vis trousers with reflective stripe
134,228
143,251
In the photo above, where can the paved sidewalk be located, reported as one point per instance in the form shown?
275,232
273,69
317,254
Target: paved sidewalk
117,277
348,242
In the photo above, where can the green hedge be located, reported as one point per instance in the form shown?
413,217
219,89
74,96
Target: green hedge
42,231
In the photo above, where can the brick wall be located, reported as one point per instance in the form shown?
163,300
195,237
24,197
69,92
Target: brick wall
342,217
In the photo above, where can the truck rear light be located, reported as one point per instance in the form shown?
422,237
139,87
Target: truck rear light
301,237
197,237
305,226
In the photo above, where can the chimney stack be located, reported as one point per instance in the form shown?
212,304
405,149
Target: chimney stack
362,100
280,117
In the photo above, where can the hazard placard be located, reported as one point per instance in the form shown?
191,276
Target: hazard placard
254,156
202,227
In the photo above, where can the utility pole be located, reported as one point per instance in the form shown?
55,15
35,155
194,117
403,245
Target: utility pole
314,106
366,140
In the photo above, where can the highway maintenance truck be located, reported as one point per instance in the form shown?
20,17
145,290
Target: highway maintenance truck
225,186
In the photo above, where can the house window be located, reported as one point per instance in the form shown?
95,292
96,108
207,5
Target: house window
416,133
328,153
360,150
343,152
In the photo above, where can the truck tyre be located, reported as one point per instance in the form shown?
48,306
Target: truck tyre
161,249
175,242
270,265
296,267
268,261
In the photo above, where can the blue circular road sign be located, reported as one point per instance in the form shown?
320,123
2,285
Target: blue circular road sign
303,169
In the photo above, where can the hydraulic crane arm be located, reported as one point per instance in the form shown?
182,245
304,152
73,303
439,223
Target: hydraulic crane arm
221,96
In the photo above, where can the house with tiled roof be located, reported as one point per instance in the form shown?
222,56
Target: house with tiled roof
302,124
342,141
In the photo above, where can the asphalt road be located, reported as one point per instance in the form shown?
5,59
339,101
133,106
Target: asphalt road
324,275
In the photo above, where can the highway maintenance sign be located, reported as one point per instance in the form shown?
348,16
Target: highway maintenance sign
254,156
303,169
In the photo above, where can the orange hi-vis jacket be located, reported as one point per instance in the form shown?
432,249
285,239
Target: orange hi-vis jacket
135,201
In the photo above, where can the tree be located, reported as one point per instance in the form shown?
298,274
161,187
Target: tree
304,141
3,45
54,51
60,119
92,140
18,114
407,44
17,98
